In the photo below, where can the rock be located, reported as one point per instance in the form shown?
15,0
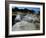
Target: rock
23,25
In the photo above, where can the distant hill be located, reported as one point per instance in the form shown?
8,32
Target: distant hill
25,10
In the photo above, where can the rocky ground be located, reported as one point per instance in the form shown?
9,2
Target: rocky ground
26,22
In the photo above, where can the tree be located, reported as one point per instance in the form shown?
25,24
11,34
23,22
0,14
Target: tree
33,11
16,9
38,12
13,10
21,10
25,10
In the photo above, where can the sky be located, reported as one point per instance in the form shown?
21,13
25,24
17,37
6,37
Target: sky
30,8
